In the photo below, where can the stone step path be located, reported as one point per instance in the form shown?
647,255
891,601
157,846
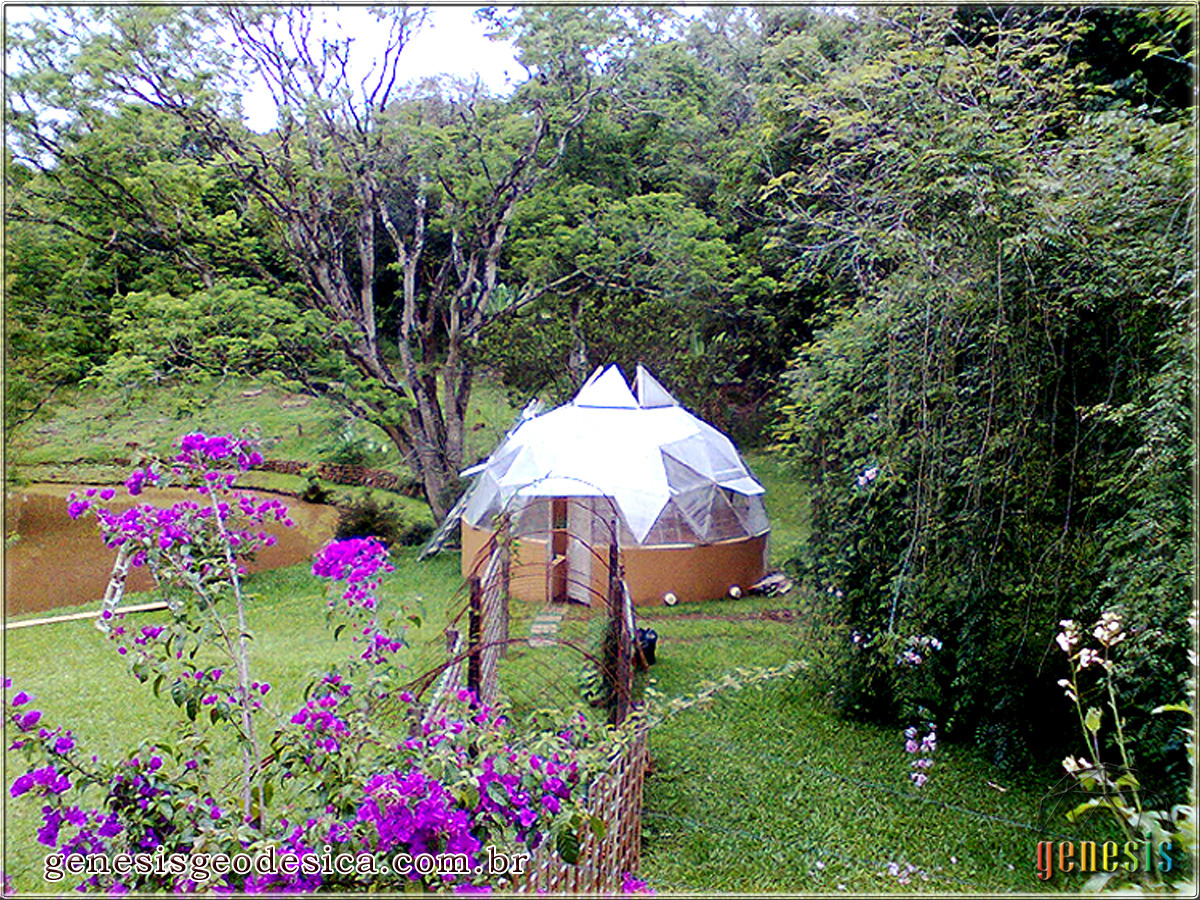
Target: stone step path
543,632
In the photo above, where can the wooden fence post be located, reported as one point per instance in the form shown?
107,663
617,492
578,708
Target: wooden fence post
474,636
623,676
505,564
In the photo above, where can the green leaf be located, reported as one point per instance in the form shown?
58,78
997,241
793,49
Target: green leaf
498,792
567,845
1173,707
1083,808
1093,720
1128,780
468,794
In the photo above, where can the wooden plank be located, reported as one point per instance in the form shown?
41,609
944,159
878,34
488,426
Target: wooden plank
141,607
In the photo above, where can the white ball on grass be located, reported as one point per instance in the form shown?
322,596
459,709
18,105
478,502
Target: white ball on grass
735,592
670,599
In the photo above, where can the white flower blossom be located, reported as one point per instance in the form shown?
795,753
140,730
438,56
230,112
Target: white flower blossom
1073,765
1108,630
1087,656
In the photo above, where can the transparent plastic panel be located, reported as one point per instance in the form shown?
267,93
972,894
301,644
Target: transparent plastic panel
680,476
723,523
724,462
483,503
672,528
696,506
502,461
751,512
605,521
530,516
691,451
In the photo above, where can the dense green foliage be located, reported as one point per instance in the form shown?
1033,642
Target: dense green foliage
995,413
942,257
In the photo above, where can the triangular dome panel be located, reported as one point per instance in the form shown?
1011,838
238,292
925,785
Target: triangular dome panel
681,477
672,528
608,390
651,394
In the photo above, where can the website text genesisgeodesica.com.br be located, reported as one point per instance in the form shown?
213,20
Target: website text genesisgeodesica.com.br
201,867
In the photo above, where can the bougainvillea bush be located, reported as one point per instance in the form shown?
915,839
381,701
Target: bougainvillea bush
357,771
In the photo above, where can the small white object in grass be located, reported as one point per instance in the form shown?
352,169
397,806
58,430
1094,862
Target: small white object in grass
735,592
670,599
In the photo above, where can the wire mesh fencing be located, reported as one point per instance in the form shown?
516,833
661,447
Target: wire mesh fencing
573,645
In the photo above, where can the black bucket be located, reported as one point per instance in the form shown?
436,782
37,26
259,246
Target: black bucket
647,643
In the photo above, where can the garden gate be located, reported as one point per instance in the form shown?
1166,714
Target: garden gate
573,543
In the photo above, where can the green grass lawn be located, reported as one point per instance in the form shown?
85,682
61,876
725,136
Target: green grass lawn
95,427
764,789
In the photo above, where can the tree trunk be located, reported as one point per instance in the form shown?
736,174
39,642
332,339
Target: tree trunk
577,361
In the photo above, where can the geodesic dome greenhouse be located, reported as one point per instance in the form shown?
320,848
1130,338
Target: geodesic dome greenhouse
687,512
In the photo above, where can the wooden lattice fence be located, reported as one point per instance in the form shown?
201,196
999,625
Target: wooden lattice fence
615,797
474,658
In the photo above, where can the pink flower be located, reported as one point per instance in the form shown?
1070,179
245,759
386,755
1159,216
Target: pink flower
633,885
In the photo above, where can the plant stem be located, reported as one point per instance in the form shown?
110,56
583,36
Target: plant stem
1112,703
251,757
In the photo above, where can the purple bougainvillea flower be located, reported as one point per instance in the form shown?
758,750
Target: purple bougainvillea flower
29,720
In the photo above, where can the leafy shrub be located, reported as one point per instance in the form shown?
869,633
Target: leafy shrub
368,517
978,473
314,491
345,445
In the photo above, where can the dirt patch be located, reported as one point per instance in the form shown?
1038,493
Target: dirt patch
786,616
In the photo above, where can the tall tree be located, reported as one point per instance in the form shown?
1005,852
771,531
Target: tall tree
391,210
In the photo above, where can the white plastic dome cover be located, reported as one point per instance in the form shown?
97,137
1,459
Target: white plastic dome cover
673,478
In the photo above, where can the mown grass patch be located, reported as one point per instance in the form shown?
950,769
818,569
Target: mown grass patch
764,789
761,790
